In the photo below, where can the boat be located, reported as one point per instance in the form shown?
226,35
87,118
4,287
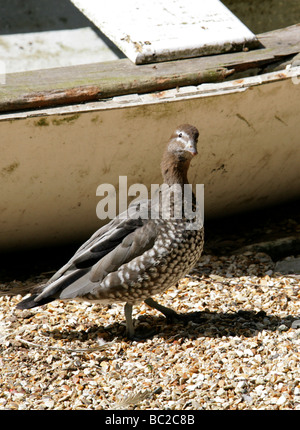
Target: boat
66,130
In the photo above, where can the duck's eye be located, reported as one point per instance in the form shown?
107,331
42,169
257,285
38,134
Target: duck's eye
179,134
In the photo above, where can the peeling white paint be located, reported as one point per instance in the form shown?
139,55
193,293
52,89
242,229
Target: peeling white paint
159,30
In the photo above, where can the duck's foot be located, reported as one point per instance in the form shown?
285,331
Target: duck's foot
170,314
173,316
141,334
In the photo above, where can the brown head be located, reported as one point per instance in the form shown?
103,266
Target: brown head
181,148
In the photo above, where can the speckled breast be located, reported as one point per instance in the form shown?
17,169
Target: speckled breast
175,252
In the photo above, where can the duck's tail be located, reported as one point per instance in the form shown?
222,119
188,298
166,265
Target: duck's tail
54,290
31,302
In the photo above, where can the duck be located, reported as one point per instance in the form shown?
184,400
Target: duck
140,253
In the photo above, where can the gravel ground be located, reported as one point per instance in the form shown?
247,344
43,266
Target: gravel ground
238,346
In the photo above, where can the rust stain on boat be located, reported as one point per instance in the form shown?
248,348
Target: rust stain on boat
159,95
63,96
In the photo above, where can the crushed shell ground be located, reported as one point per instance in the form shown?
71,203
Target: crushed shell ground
238,348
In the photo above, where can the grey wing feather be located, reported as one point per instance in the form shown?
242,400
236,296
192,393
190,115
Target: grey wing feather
132,246
106,238
113,245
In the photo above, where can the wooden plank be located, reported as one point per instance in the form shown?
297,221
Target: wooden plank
161,30
54,87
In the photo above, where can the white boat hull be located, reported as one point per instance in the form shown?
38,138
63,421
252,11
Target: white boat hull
53,160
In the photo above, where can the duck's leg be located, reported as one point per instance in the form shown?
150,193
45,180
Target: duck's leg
169,313
130,332
129,322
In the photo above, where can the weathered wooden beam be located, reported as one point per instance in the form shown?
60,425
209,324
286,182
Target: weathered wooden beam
165,30
92,82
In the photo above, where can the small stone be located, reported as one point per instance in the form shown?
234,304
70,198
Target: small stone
49,403
282,327
281,401
248,352
247,398
295,324
241,384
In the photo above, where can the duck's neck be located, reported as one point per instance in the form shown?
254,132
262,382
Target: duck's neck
173,170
